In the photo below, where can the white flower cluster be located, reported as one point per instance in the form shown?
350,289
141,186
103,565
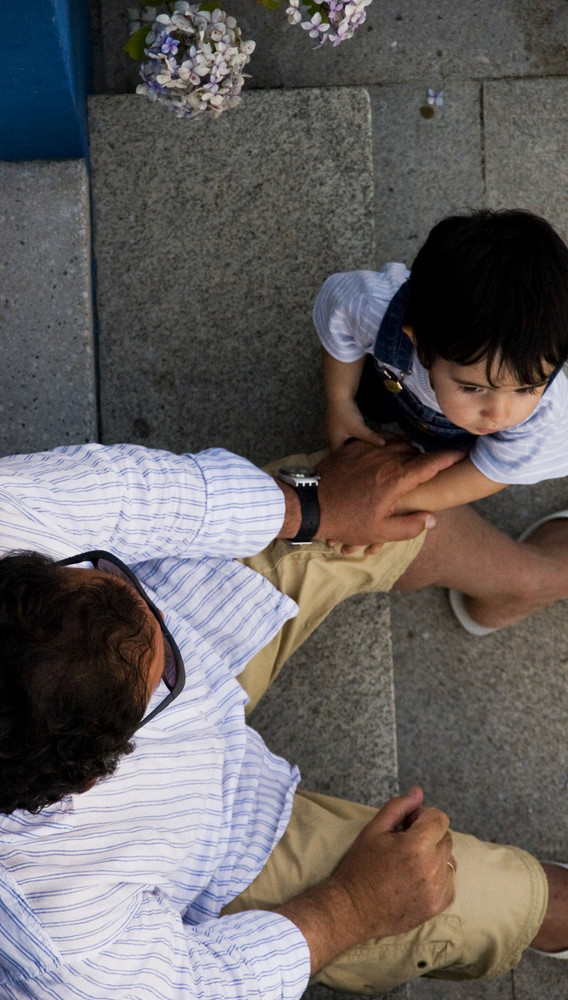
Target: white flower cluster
331,20
194,61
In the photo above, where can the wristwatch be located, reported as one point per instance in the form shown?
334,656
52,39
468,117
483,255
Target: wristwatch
305,482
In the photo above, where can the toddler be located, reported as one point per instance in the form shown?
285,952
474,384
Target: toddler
465,350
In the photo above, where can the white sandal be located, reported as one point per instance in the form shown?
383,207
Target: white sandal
456,598
457,604
563,955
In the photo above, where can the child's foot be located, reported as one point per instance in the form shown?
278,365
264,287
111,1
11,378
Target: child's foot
481,617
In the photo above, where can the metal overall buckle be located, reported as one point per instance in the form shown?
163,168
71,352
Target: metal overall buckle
391,381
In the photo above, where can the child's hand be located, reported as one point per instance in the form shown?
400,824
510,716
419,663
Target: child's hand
343,420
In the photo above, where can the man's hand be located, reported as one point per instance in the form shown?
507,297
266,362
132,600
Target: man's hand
361,485
397,878
394,877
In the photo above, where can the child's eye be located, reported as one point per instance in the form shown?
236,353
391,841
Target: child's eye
470,389
530,390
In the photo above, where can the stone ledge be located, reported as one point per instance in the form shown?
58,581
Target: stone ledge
212,238
48,375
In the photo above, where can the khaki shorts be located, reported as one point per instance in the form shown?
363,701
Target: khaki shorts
501,892
500,902
318,578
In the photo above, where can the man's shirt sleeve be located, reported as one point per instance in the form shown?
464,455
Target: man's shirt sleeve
140,503
254,955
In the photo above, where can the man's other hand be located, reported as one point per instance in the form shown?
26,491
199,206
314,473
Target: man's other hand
398,873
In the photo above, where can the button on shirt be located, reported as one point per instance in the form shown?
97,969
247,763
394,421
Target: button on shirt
347,315
116,892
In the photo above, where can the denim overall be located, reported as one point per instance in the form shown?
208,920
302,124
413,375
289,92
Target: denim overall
391,362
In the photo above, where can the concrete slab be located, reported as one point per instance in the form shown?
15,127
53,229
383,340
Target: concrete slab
209,340
526,146
480,726
481,723
322,993
331,711
538,977
212,239
401,40
48,380
438,989
427,162
499,767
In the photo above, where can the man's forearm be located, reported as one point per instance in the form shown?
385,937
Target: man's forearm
293,514
325,918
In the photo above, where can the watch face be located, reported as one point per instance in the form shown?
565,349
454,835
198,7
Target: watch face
298,471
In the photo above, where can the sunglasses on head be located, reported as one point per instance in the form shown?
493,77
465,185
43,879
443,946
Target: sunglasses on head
174,671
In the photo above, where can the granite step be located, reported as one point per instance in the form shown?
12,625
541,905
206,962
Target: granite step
46,317
209,240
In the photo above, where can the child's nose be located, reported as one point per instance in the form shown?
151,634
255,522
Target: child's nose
497,410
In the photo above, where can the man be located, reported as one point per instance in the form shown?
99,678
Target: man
151,845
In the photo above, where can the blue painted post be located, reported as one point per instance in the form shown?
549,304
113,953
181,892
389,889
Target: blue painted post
44,77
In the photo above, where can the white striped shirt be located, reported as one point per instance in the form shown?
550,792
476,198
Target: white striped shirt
116,892
347,315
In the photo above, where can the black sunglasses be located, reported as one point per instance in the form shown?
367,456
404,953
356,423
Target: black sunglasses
174,670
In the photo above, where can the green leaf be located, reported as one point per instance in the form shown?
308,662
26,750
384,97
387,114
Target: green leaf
137,43
270,4
316,8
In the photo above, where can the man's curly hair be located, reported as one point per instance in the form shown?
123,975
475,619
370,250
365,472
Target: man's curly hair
74,655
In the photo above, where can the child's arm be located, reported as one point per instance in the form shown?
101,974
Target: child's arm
452,487
343,418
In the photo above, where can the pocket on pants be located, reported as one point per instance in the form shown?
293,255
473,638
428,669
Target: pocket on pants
379,965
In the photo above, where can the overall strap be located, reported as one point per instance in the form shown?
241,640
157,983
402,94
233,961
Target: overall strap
552,377
393,348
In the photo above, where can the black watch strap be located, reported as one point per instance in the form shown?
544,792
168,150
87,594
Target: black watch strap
309,506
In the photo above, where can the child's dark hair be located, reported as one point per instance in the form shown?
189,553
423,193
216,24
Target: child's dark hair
492,285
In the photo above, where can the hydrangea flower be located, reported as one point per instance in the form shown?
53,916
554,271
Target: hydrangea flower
168,44
315,25
329,20
435,97
194,61
293,12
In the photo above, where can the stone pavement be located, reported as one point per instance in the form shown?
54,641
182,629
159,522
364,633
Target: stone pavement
205,275
481,723
48,365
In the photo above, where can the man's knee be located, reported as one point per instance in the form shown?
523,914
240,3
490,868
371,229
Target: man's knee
500,902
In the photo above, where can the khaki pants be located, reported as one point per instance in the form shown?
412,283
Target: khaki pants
501,892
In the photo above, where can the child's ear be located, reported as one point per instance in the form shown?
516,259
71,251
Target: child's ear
409,333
